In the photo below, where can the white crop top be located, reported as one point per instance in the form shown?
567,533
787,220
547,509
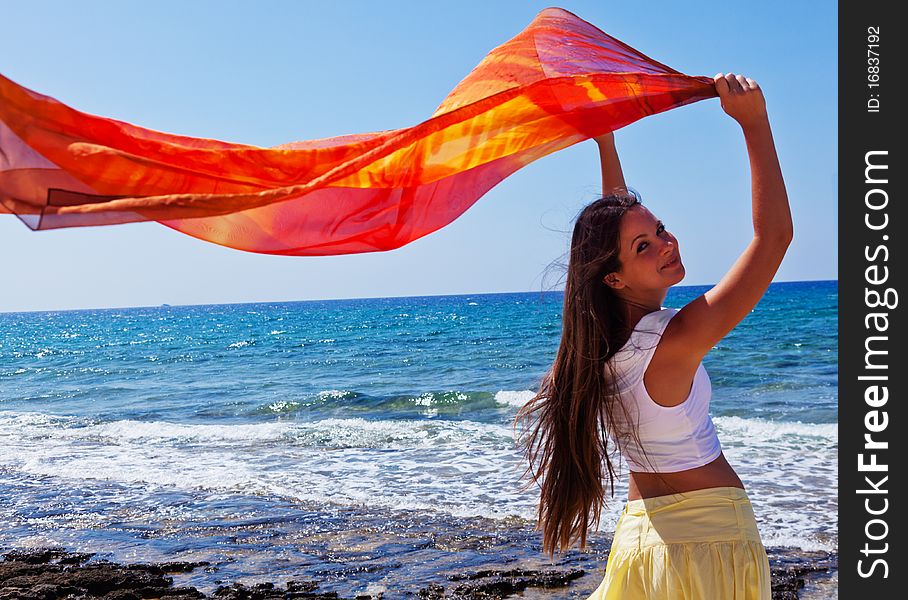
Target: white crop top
675,438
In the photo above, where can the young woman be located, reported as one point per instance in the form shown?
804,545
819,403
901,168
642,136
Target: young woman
630,371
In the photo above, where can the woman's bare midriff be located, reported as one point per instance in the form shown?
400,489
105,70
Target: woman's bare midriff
718,473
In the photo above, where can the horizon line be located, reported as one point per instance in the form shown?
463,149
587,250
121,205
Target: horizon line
166,305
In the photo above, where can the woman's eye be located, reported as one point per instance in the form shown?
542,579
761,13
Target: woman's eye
659,230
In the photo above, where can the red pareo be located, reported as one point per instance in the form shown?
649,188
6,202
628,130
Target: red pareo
558,82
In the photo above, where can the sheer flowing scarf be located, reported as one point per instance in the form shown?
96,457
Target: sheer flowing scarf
558,82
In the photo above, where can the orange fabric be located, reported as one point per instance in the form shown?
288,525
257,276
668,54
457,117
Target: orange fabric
558,82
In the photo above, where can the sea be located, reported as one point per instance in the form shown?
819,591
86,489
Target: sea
365,442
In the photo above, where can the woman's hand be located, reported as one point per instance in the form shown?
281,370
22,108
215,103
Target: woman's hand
741,98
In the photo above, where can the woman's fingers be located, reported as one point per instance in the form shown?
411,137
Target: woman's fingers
721,84
735,84
741,97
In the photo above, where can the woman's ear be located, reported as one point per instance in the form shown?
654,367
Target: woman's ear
613,281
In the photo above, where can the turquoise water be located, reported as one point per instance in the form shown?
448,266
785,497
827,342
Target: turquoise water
127,415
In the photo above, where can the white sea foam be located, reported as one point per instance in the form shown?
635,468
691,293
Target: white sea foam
282,405
767,431
512,398
329,394
463,468
327,433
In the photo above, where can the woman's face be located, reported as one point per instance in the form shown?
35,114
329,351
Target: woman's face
649,253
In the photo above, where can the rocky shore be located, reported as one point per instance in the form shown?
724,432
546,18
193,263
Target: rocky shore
54,573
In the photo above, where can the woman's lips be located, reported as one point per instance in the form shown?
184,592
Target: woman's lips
674,262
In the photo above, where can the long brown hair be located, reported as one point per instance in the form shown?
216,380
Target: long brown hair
574,413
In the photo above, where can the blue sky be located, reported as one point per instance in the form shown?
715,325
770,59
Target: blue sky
267,73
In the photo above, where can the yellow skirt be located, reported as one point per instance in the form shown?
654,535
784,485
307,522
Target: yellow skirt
700,545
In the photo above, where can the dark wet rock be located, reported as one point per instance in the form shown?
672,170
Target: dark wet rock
267,591
787,581
54,574
791,568
51,573
433,591
301,586
164,568
45,555
493,584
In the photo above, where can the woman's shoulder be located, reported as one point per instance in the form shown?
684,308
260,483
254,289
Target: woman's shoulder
653,323
631,359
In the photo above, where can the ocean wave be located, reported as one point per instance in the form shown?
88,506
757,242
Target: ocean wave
766,430
512,398
368,432
353,432
430,404
461,468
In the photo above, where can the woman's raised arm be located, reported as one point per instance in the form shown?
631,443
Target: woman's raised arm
612,176
707,319
743,100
